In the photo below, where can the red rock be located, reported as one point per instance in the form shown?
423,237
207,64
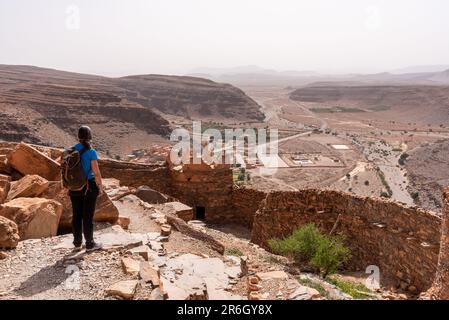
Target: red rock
5,168
130,266
123,222
35,217
28,160
123,289
165,230
28,187
9,233
5,183
150,274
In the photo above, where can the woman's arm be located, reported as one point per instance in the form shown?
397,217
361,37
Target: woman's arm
97,173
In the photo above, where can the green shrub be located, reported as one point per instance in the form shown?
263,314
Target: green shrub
330,255
308,245
355,290
301,245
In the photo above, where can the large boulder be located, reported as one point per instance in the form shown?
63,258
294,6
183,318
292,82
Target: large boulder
28,160
35,217
105,209
151,196
28,187
9,233
4,166
5,183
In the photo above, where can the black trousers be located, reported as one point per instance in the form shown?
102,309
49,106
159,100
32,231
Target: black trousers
83,205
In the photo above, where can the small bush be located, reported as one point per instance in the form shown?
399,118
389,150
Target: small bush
355,290
234,252
308,245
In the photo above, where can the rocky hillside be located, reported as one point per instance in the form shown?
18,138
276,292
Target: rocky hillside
423,104
191,97
46,106
428,170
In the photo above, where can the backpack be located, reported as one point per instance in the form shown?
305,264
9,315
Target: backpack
72,172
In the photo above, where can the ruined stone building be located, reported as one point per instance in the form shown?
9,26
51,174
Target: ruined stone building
403,241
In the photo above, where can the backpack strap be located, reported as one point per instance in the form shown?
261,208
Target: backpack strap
84,149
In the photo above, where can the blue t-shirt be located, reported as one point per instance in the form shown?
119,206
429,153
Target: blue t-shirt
86,158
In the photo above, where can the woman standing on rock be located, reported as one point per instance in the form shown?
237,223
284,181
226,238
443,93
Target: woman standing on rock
84,199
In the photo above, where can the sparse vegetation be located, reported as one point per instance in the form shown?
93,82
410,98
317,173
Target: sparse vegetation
384,181
307,245
234,252
315,285
355,290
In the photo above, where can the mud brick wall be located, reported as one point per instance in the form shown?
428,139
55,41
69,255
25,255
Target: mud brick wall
402,241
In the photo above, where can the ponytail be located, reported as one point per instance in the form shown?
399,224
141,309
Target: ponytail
85,143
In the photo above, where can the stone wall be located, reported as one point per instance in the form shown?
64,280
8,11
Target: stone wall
204,186
245,203
402,241
155,176
440,288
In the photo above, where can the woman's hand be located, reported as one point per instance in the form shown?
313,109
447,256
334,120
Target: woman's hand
100,190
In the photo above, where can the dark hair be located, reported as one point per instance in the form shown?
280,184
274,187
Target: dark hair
85,136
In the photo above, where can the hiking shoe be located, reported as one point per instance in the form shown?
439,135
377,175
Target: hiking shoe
94,246
77,248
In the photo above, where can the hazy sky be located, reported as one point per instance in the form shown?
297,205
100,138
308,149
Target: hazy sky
118,37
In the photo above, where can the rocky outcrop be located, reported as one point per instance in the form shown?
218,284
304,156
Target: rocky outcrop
35,217
28,160
28,187
9,233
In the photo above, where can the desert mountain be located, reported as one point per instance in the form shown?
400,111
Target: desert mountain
422,104
191,97
46,106
254,75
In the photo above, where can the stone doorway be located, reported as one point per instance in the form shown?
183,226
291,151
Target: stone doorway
200,213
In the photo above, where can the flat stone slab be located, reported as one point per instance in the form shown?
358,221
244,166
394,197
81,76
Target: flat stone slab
123,289
280,275
110,238
187,275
